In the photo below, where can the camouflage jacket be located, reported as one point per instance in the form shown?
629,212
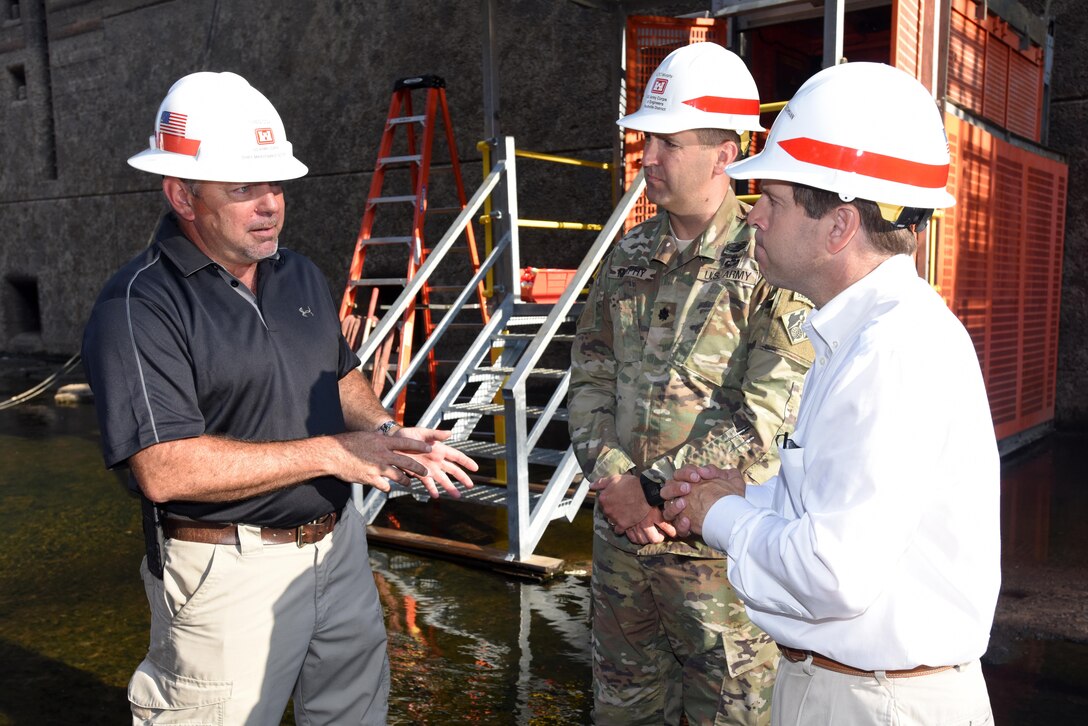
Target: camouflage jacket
685,357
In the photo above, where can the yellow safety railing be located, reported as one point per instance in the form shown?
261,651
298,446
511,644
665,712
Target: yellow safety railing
485,220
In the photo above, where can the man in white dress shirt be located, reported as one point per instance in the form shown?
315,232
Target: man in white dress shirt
873,558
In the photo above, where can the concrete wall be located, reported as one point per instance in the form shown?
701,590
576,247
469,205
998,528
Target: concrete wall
1068,122
81,80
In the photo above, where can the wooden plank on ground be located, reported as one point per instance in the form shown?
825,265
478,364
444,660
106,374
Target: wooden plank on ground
536,566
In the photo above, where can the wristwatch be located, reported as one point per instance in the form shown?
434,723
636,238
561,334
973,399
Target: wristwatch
651,489
386,429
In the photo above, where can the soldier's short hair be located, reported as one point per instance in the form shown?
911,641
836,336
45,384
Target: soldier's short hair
884,236
713,137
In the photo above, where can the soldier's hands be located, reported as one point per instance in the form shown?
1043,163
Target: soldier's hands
653,529
692,491
441,461
621,500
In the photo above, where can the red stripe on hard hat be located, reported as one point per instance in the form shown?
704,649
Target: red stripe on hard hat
721,104
178,144
867,163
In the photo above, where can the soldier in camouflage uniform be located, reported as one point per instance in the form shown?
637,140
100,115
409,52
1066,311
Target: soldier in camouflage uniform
683,355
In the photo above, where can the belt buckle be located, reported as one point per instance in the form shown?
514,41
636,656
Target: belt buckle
298,535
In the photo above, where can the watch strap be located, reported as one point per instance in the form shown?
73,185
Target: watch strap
651,489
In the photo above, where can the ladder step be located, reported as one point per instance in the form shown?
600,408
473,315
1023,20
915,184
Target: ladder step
392,200
376,281
463,410
387,240
397,120
445,288
388,161
487,450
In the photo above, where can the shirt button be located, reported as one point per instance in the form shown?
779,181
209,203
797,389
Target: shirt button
234,283
823,361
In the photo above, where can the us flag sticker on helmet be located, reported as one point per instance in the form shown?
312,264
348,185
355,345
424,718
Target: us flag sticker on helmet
868,163
264,136
171,135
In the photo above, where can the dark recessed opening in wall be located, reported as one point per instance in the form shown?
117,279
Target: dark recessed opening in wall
18,81
22,307
9,10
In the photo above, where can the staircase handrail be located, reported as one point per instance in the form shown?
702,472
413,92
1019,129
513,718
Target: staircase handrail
566,301
441,248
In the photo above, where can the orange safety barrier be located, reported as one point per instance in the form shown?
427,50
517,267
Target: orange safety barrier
544,284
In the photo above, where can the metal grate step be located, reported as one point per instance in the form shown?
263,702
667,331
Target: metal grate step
461,410
488,450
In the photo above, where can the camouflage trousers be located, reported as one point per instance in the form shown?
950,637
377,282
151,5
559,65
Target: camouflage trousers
667,641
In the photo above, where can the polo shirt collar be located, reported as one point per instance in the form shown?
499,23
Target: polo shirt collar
842,317
180,250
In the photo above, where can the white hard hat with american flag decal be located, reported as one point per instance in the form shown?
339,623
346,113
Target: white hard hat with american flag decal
217,127
863,130
698,86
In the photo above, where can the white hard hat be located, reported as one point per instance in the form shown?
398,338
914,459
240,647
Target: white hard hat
698,86
863,130
217,127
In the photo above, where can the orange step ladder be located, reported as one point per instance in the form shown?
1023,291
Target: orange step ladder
357,322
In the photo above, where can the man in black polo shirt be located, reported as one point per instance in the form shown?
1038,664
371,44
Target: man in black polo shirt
222,380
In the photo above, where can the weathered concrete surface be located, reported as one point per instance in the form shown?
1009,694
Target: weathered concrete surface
71,210
1068,121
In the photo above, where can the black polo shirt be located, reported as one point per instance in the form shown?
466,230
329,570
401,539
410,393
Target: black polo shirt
177,348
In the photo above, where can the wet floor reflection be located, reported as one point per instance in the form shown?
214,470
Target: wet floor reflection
466,645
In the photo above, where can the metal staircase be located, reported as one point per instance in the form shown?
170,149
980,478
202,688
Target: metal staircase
521,353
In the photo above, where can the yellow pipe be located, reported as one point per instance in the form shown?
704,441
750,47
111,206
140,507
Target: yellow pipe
561,159
773,106
548,224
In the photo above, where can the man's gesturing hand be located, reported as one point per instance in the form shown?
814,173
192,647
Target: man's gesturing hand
441,461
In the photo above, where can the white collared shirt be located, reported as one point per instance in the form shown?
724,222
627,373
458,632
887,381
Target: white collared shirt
878,542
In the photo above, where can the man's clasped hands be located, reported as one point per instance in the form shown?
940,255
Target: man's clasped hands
688,496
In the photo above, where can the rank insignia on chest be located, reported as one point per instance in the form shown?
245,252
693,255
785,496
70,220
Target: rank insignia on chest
792,322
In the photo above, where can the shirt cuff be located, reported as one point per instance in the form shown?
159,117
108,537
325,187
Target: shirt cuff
614,461
718,523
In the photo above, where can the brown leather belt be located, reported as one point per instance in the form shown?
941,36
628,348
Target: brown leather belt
227,534
796,656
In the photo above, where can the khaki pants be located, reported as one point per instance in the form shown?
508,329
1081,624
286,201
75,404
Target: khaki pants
813,696
236,630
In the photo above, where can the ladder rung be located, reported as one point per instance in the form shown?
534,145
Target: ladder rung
444,210
392,200
387,240
406,120
393,160
402,281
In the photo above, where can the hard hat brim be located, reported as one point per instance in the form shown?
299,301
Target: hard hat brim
167,163
657,122
764,166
